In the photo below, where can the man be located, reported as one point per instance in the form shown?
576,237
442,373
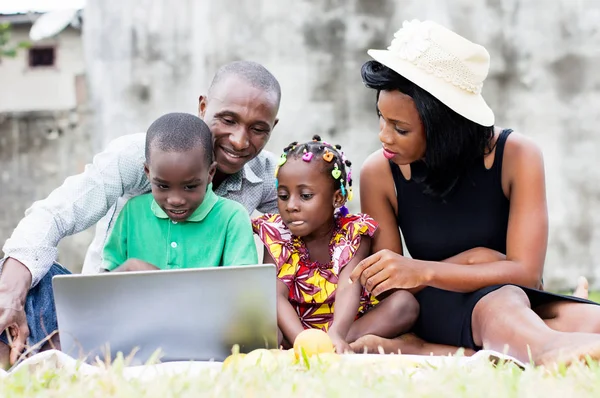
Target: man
241,110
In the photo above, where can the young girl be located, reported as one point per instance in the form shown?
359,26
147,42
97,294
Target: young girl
316,244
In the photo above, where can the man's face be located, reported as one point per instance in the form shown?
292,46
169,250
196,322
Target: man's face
241,118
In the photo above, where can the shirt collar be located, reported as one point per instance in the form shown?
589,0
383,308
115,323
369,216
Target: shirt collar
234,181
210,199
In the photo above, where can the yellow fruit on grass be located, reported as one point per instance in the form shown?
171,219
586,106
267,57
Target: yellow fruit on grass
233,360
312,341
260,357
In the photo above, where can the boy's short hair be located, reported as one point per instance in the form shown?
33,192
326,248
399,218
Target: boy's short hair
179,132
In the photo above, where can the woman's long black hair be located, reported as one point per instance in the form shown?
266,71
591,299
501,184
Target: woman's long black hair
454,143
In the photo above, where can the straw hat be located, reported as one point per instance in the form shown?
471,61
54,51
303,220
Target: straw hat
448,66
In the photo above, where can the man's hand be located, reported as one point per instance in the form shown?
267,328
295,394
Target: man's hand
133,264
15,282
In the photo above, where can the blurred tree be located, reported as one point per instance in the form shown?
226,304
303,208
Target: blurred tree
7,50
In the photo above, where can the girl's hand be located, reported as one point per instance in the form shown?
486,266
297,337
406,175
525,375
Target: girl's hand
339,344
387,270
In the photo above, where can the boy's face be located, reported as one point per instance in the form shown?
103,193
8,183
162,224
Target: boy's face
179,180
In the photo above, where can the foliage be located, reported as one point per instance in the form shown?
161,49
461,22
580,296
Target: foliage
8,50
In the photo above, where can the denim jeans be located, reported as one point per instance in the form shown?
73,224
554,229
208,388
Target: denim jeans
40,310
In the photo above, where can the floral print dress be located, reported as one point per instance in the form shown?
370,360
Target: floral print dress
312,285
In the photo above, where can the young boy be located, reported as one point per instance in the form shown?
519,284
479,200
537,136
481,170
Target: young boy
182,223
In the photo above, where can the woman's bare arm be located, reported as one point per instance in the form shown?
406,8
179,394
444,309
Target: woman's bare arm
523,181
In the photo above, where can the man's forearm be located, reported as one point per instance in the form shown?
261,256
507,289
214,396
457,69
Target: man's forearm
77,204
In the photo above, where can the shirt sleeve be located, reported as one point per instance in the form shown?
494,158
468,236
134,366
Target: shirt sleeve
77,204
240,248
115,250
268,203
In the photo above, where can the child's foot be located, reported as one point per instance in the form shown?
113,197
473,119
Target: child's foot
582,288
405,344
408,344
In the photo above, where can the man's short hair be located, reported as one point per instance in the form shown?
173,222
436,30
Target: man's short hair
179,132
252,72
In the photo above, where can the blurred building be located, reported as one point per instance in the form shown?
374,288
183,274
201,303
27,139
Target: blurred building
42,109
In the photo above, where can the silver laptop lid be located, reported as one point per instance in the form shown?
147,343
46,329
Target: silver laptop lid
193,314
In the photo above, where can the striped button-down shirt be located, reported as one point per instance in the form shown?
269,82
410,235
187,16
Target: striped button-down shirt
97,195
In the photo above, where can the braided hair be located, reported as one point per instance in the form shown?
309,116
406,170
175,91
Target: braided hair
331,157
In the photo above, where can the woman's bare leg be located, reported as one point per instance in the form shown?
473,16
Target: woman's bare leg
503,321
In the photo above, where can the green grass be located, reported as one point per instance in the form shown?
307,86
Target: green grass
283,379
321,380
595,296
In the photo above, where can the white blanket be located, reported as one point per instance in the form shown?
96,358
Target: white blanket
55,358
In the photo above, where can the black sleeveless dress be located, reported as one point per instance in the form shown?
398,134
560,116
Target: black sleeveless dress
474,214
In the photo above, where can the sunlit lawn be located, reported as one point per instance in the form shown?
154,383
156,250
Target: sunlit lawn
282,378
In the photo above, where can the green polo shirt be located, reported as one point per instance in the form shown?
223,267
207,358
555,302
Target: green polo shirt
218,233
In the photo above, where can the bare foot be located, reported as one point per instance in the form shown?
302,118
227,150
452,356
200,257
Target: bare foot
573,347
371,344
582,290
406,344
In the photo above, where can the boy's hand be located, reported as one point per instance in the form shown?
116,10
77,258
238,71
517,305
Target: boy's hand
339,344
133,264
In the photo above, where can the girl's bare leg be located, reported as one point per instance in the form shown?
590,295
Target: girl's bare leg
394,315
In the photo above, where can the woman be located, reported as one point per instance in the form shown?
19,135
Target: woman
470,201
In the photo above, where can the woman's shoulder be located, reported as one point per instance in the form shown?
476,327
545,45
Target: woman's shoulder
520,152
518,144
375,164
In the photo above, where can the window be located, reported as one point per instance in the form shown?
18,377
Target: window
41,56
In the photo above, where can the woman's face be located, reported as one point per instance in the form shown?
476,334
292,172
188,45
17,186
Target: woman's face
400,129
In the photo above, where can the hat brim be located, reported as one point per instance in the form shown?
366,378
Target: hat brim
470,105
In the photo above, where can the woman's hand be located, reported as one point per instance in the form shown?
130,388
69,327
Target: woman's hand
387,270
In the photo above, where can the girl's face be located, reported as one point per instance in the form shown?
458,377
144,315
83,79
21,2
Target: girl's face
400,129
307,197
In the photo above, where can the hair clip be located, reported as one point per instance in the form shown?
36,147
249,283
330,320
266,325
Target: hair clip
349,175
343,189
276,183
344,211
328,157
336,173
282,159
307,157
350,194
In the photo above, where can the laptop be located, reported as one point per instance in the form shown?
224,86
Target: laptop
191,314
